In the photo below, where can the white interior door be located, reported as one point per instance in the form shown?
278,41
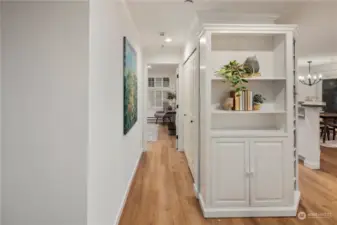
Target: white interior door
187,113
191,112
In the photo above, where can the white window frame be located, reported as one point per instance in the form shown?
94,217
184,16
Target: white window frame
161,82
152,91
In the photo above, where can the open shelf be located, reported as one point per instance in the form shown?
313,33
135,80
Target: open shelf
255,78
268,49
250,133
218,111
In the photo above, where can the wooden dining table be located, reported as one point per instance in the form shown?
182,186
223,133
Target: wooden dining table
326,117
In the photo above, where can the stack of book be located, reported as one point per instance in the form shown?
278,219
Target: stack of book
243,101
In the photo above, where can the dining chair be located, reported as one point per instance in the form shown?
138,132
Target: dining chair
331,128
332,125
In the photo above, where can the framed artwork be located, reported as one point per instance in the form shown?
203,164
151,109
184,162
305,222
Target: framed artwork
130,85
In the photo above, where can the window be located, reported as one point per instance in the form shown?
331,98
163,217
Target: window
157,98
330,94
159,82
166,82
159,87
151,82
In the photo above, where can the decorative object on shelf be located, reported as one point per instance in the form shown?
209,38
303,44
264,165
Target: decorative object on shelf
228,104
310,79
252,67
233,73
244,101
258,99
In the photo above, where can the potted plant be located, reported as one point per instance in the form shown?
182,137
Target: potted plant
258,99
171,97
233,73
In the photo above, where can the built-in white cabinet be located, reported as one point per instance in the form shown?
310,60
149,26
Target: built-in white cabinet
247,161
255,175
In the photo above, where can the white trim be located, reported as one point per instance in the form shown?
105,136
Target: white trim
126,194
220,15
248,28
196,192
285,211
312,165
300,157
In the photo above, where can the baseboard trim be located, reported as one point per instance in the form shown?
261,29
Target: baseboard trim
288,211
312,165
196,192
126,194
301,157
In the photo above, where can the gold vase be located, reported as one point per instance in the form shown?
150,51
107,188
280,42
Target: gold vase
257,106
228,104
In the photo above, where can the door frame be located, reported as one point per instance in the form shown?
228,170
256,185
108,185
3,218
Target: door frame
196,51
144,97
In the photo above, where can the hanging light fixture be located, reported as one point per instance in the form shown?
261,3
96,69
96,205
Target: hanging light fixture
310,79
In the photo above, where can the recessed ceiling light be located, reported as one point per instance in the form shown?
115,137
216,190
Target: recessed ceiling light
149,66
168,40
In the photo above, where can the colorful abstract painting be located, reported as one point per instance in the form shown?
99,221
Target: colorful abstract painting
130,86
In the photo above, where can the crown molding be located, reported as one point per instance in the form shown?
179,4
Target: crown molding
220,16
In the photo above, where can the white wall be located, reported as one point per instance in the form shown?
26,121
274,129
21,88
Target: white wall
44,112
316,38
112,157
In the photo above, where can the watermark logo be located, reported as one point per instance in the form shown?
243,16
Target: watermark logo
301,215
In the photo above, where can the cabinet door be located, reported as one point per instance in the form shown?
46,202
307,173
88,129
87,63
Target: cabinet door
270,183
230,180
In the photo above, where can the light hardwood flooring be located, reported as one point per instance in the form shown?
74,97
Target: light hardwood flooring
162,192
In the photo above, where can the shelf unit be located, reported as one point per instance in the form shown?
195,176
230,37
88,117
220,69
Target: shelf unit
219,111
242,152
250,79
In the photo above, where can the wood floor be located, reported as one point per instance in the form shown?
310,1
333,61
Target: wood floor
162,192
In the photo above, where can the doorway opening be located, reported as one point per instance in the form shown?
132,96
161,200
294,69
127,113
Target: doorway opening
162,104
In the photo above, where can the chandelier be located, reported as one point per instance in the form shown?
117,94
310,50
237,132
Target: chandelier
310,79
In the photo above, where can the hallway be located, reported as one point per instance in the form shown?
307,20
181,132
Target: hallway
162,192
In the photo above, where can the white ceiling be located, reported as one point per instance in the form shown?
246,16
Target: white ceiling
172,18
175,18
169,69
